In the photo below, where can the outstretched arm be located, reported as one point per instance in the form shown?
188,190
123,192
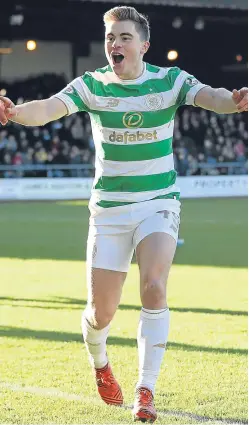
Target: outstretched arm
222,101
75,97
35,113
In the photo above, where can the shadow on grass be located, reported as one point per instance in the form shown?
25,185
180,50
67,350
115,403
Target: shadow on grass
75,304
24,333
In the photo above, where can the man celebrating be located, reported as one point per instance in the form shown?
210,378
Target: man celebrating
135,202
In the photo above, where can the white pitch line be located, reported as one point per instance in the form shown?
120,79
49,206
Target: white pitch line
48,392
53,392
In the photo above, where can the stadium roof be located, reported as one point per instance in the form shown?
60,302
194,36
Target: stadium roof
220,4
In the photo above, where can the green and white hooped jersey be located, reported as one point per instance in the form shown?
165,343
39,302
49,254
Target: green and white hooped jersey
132,125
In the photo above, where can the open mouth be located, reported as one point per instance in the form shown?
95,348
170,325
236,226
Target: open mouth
117,57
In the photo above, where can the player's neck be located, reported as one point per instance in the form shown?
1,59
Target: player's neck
135,74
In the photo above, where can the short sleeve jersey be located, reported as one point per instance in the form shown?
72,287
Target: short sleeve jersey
132,125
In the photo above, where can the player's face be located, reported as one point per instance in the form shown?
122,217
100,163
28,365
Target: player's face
124,49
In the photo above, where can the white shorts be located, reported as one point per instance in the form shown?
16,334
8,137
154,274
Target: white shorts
115,232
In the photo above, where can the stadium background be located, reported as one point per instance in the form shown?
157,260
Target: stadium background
211,44
42,245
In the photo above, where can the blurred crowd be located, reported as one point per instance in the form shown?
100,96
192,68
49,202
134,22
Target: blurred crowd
203,140
66,141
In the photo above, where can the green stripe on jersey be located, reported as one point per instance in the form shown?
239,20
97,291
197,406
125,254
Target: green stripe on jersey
111,204
172,195
152,68
136,183
172,75
104,69
139,152
149,119
75,97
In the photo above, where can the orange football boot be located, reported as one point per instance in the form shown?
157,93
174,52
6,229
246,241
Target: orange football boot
108,388
144,409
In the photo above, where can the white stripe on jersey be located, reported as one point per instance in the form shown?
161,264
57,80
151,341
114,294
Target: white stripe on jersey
136,168
102,134
110,77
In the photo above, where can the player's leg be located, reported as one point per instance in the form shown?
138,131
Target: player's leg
104,292
108,259
157,238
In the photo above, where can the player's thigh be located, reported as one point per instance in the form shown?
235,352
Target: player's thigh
155,240
108,260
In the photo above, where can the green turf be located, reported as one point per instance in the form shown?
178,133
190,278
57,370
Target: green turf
44,373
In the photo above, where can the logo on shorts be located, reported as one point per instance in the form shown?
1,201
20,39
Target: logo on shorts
176,221
154,101
173,217
164,213
133,119
94,253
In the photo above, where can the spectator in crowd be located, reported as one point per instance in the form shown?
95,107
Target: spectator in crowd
3,139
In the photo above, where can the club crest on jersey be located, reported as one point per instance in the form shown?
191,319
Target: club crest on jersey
154,101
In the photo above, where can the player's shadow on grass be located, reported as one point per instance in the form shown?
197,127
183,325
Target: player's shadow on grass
78,304
37,334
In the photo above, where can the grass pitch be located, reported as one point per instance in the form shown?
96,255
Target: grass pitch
45,377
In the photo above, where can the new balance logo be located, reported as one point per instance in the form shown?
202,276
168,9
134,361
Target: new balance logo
112,103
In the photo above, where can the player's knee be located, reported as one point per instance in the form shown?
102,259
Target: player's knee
102,319
153,289
99,318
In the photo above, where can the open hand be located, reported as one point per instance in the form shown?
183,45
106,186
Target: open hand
7,110
240,98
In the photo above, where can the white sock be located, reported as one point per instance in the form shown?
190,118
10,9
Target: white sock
152,338
95,341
